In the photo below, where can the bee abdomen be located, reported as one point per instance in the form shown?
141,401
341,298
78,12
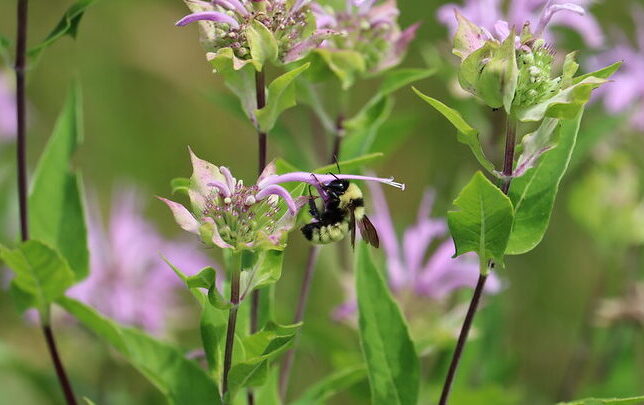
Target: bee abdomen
321,234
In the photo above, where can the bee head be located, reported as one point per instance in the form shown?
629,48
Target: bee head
336,187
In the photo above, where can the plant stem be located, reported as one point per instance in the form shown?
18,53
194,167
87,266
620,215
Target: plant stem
337,141
232,318
21,159
305,290
21,115
58,365
508,164
260,92
260,95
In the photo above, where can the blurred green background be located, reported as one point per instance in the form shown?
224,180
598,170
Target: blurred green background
148,94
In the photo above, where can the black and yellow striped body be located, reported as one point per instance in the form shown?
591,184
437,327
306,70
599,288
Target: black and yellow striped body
335,217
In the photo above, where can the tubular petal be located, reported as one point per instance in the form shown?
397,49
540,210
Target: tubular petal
214,16
279,191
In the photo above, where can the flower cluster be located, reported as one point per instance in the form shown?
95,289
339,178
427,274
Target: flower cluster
513,68
231,215
7,108
411,271
495,19
226,24
129,281
368,28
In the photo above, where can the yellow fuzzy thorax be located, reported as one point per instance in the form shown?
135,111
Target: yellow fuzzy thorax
353,193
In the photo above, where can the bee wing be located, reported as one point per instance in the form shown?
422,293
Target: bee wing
368,232
352,227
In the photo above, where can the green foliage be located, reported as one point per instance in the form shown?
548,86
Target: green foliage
180,380
281,96
180,184
335,383
497,81
364,128
42,275
68,25
484,221
534,145
465,133
606,401
239,76
346,65
265,270
603,73
389,353
56,206
533,194
263,46
258,350
565,105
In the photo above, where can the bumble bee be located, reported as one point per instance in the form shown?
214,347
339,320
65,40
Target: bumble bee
341,210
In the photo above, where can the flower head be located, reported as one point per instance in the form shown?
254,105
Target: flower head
497,20
626,94
129,280
410,270
7,108
226,24
229,214
368,27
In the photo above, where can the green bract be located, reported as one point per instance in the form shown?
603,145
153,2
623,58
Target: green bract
518,74
484,221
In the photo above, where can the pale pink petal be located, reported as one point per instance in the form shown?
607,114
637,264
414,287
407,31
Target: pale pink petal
183,217
213,16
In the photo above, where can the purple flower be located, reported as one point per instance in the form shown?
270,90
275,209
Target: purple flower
225,24
368,27
8,125
228,214
492,17
129,281
626,93
410,270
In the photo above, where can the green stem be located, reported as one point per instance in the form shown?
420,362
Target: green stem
235,273
508,165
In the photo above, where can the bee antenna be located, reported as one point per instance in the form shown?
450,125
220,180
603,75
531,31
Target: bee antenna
336,177
316,179
335,159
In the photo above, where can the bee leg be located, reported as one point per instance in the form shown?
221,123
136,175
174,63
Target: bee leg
313,209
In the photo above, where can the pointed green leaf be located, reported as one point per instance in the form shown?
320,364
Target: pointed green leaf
68,25
389,353
607,401
265,271
362,130
180,380
603,73
42,275
180,184
56,206
565,105
259,349
483,222
204,279
534,145
533,194
329,386
346,65
465,135
262,43
281,96
239,76
213,326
